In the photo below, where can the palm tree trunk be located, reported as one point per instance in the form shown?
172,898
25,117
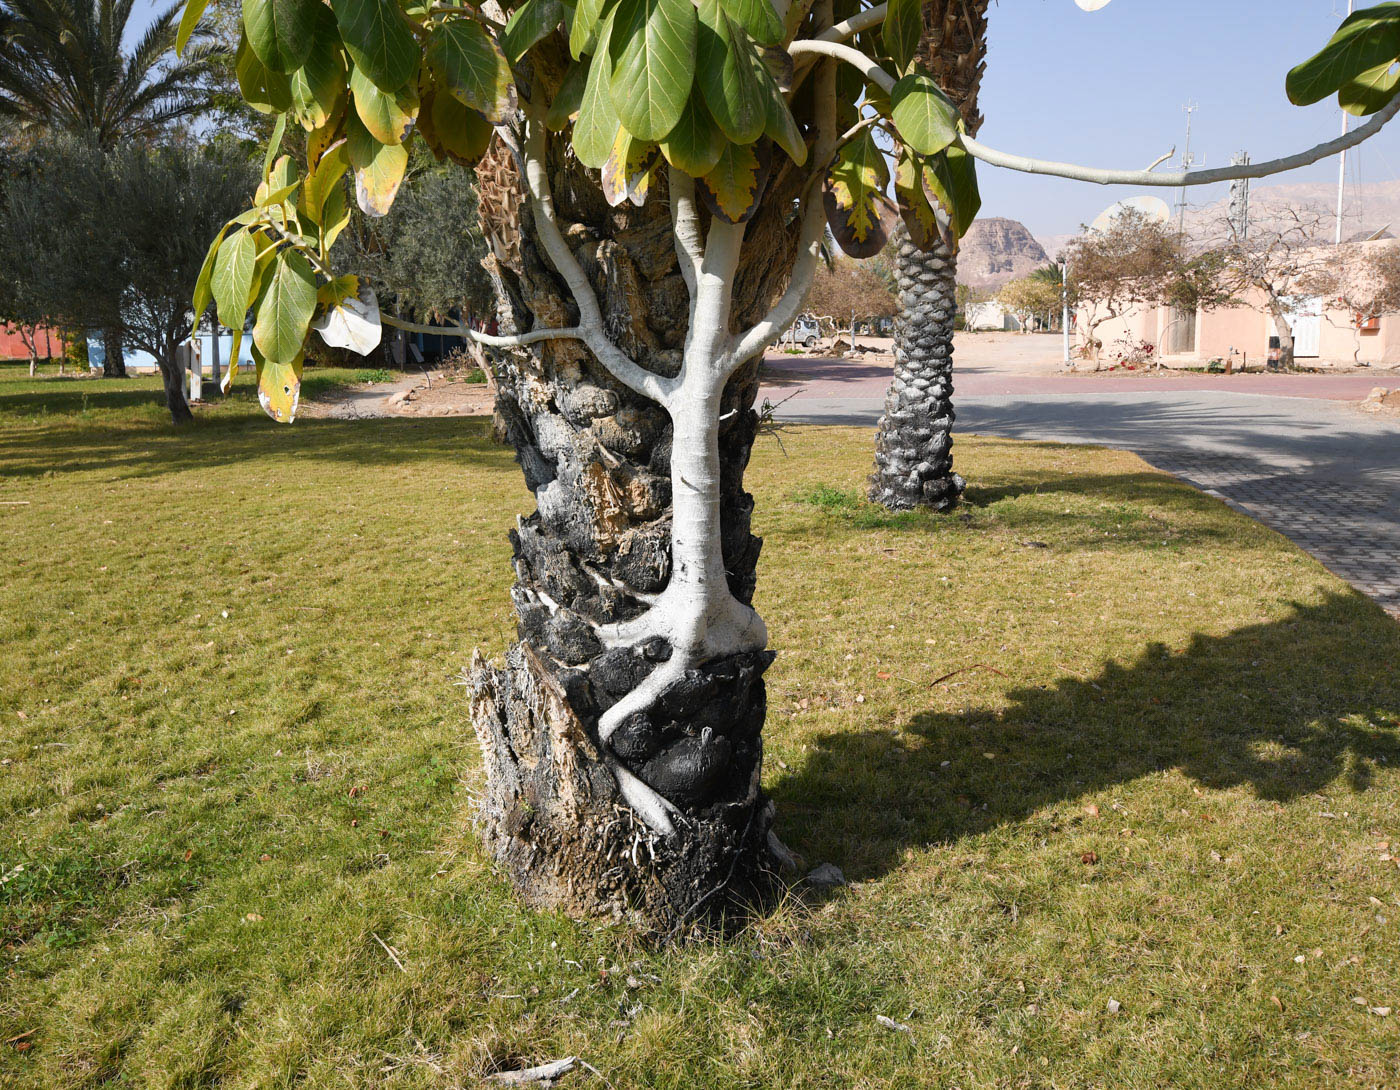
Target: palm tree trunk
635,507
914,444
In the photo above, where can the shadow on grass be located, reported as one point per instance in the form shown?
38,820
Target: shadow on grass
1287,708
128,451
1130,510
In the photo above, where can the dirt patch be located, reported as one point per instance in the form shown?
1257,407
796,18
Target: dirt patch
429,394
443,398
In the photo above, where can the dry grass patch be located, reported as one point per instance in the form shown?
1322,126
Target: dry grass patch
1158,768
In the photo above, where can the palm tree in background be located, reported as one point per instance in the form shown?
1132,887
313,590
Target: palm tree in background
63,69
913,448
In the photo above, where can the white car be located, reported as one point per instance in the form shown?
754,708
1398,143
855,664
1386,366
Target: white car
804,331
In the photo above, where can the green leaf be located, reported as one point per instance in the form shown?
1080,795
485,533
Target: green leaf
263,89
388,116
926,120
925,228
232,282
652,47
318,86
285,307
583,34
904,25
696,143
726,71
527,24
778,123
379,41
597,123
566,101
379,168
1371,91
335,217
951,180
280,32
1365,41
757,17
322,178
194,11
467,62
462,133
202,293
733,188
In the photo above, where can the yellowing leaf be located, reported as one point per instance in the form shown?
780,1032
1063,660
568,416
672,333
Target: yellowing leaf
388,117
733,187
379,168
279,387
628,169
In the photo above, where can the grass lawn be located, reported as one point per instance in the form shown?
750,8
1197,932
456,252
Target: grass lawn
1095,742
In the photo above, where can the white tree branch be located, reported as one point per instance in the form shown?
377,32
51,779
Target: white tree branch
685,220
1172,180
786,309
810,234
861,20
1176,179
590,326
517,341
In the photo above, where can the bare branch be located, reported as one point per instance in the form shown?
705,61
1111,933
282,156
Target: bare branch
1174,180
1161,159
590,327
517,341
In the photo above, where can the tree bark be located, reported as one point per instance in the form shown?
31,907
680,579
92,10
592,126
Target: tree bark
114,358
913,446
914,443
595,561
173,379
216,371
1284,331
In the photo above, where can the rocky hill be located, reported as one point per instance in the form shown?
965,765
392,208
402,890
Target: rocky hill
997,250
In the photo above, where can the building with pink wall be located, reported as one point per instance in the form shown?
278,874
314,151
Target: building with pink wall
1324,334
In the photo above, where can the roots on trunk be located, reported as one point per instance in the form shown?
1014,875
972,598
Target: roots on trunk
597,554
914,444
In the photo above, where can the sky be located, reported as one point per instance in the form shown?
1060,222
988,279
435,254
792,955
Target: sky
1106,88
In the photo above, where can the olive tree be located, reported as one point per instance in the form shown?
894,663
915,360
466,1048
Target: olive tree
655,179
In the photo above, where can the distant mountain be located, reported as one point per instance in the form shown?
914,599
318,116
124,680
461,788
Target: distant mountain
995,251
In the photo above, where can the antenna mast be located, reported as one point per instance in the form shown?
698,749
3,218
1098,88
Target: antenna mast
1187,160
1342,166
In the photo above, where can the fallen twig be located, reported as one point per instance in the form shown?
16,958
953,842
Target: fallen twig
965,669
543,1073
390,951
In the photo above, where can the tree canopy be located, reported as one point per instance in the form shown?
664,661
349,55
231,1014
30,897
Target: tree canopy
63,69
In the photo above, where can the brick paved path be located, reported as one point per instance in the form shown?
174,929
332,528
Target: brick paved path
1315,469
1353,529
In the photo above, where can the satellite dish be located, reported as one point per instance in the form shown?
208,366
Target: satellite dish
1153,209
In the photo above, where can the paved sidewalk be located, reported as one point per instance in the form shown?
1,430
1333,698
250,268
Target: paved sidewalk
1317,470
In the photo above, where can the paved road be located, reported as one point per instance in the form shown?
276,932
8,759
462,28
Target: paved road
1316,469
